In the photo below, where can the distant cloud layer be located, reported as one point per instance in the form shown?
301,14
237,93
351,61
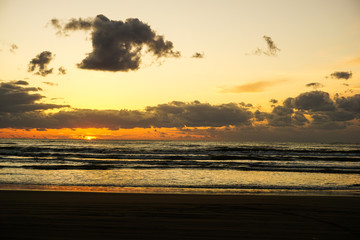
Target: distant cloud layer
118,45
341,75
22,107
272,49
40,63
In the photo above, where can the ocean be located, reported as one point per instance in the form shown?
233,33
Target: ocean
195,167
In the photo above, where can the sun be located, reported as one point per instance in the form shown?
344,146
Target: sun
89,137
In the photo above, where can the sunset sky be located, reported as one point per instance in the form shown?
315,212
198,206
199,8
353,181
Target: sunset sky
219,70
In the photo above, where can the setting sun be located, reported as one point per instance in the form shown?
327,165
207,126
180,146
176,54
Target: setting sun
89,137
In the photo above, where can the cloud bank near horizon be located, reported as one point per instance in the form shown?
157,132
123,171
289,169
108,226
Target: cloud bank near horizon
22,107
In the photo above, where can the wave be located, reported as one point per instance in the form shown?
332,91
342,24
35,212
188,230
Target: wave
188,165
71,154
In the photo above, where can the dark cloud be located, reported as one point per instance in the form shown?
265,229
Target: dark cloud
314,101
273,101
77,118
341,75
118,45
252,87
41,62
174,114
299,119
196,114
13,48
21,82
272,49
14,98
78,24
280,116
351,103
198,55
314,85
56,24
62,71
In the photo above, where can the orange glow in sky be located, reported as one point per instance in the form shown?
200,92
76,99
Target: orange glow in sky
102,133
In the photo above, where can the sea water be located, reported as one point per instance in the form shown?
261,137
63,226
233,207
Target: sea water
180,166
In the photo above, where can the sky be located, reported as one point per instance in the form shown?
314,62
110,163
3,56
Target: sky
184,70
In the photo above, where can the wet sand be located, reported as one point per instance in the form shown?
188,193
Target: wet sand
74,215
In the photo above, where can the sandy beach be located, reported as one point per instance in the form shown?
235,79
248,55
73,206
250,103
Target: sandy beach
76,215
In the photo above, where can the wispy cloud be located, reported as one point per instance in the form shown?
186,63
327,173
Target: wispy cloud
272,49
258,86
13,48
354,61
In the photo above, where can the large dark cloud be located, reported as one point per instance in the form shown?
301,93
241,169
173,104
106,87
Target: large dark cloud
14,98
72,25
118,45
40,63
341,75
78,24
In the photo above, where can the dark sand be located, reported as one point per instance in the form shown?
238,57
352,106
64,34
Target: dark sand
72,215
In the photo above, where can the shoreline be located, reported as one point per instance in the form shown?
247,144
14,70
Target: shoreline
181,191
90,215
